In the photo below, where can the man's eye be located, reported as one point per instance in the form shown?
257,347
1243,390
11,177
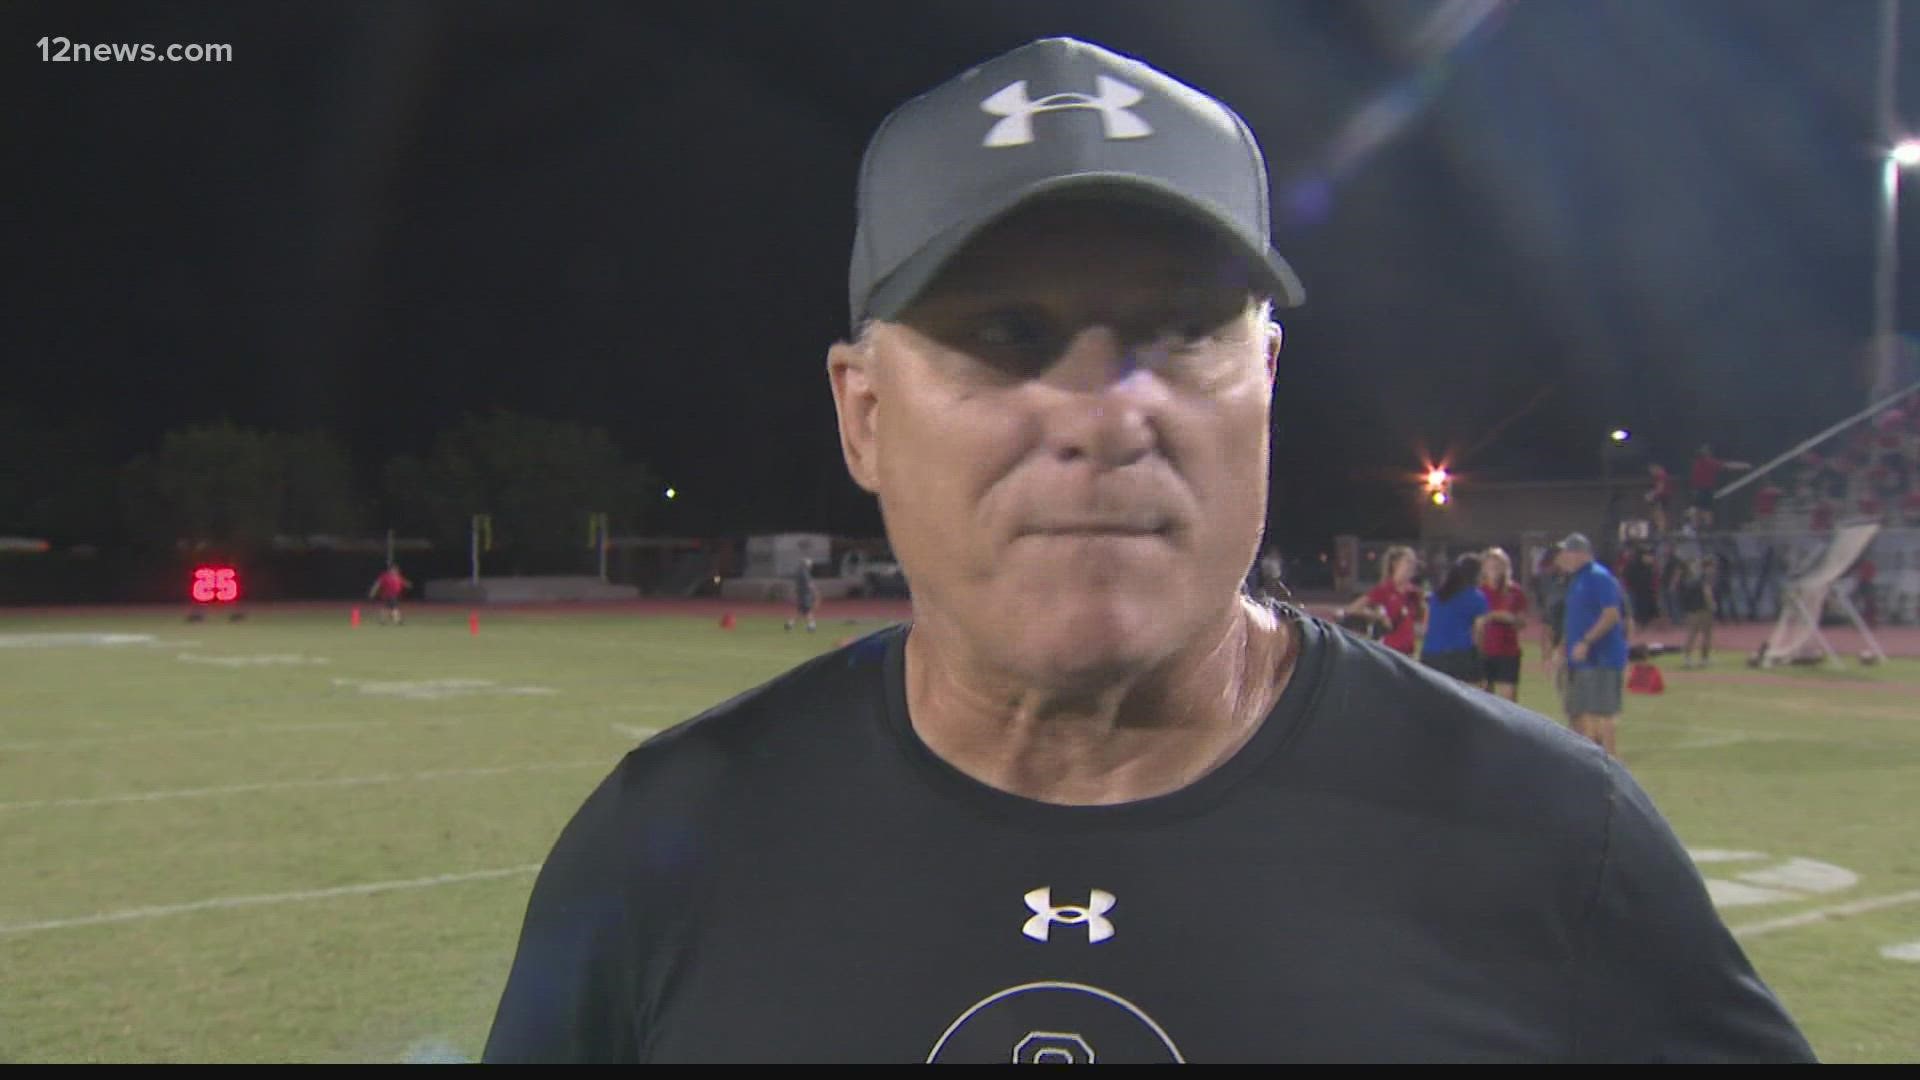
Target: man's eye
1176,340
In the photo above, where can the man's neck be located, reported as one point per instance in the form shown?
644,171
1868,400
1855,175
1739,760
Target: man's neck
1151,736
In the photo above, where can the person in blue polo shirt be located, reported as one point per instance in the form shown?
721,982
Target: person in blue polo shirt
1596,642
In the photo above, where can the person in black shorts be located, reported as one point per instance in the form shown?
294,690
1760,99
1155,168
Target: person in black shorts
1506,617
1696,608
1091,803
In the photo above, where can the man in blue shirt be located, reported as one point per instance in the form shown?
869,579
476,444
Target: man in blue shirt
1596,642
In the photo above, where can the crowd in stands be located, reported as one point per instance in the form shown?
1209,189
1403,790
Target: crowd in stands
1869,472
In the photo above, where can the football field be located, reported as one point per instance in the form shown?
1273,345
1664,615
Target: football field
291,839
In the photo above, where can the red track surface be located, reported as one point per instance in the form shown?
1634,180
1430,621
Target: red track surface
1728,638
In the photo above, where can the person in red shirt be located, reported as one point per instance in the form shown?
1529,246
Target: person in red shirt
1706,474
388,587
1500,641
1659,496
1395,605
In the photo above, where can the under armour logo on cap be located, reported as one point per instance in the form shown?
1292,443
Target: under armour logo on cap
1092,916
1018,110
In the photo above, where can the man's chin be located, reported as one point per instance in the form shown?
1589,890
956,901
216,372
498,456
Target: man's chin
1092,644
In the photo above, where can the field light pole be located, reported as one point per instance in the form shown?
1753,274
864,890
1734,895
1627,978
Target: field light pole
1615,439
1901,153
1902,156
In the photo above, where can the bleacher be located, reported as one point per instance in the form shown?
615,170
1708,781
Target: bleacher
1867,473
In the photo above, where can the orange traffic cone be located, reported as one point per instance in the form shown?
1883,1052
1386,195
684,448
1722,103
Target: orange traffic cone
473,623
726,621
356,617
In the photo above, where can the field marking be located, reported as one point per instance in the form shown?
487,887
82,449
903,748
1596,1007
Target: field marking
1779,882
1707,742
226,902
1706,738
1818,915
438,689
1804,706
434,1050
1711,855
1909,952
633,732
1686,727
292,785
239,729
1737,735
54,641
246,729
1810,685
267,660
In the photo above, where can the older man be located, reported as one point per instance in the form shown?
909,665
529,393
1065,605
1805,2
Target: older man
1596,642
1092,804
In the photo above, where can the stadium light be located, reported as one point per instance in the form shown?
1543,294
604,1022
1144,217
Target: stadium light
1620,435
1439,496
1437,478
671,493
1903,155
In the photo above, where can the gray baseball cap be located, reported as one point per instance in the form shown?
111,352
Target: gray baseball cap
1054,116
1575,542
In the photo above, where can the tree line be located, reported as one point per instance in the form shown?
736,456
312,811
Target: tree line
240,488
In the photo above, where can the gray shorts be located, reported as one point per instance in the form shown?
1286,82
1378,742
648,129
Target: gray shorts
1594,691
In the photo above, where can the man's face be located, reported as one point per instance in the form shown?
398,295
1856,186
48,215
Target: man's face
1569,561
1068,435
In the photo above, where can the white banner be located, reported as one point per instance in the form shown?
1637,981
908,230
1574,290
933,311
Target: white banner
1795,628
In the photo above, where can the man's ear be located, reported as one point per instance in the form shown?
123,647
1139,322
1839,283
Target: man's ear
1274,336
850,371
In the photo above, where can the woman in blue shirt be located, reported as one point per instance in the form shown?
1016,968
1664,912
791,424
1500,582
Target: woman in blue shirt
1455,613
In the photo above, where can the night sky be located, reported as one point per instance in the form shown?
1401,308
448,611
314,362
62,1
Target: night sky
377,216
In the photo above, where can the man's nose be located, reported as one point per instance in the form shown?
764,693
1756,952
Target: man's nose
1106,406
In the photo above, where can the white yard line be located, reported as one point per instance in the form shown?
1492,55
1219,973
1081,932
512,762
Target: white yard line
1805,706
1819,915
1705,742
224,902
171,733
291,785
237,729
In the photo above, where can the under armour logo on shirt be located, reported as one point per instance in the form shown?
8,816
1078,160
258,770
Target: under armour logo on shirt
1092,916
1017,110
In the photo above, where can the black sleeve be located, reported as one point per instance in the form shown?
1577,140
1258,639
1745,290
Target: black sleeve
570,995
1661,979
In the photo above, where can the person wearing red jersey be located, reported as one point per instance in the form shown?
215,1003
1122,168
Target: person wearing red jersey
1706,473
1394,605
1500,640
388,587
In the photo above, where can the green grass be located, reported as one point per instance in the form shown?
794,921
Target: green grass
344,783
